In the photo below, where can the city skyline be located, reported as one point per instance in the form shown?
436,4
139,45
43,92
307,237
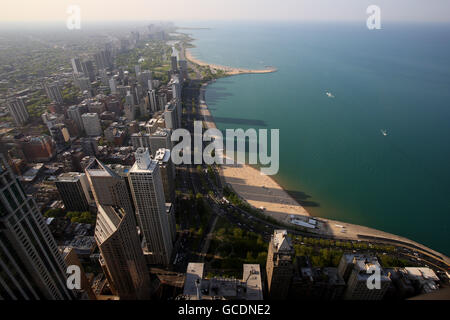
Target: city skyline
98,201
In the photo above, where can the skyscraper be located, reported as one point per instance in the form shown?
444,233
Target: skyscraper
18,111
76,65
54,92
91,124
137,70
170,115
88,69
73,112
148,196
116,234
74,190
173,64
113,85
31,267
167,173
279,265
102,59
356,270
183,69
152,100
145,79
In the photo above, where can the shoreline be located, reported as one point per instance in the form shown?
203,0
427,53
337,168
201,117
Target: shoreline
230,71
263,191
260,191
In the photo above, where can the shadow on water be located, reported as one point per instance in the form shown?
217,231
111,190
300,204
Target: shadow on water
220,93
302,198
215,96
227,120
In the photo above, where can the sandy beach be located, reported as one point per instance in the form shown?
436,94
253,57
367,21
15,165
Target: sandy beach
229,70
259,190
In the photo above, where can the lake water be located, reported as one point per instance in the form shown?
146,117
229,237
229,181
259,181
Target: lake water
333,156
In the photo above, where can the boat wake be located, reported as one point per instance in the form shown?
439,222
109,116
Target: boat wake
329,94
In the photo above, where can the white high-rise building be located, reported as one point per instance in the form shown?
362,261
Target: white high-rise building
116,234
91,124
176,87
148,196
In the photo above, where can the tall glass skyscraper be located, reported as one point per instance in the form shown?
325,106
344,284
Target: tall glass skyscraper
31,267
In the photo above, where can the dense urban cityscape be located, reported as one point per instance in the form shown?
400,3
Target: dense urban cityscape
87,180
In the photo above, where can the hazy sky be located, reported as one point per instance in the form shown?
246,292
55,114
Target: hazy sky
332,10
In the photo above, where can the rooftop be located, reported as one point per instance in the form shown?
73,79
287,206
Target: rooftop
69,176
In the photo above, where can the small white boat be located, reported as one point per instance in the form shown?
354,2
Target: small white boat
329,94
384,132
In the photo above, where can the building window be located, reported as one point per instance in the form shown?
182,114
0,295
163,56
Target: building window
10,199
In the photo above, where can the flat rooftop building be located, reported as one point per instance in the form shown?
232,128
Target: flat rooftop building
197,287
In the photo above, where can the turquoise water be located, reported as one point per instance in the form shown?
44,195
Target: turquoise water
333,157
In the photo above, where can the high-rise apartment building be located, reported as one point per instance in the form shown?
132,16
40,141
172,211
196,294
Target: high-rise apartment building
91,124
76,65
116,234
31,267
170,116
279,267
152,102
160,139
18,111
167,173
183,69
88,69
356,271
73,112
113,85
148,196
145,79
173,64
54,92
74,190
102,59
